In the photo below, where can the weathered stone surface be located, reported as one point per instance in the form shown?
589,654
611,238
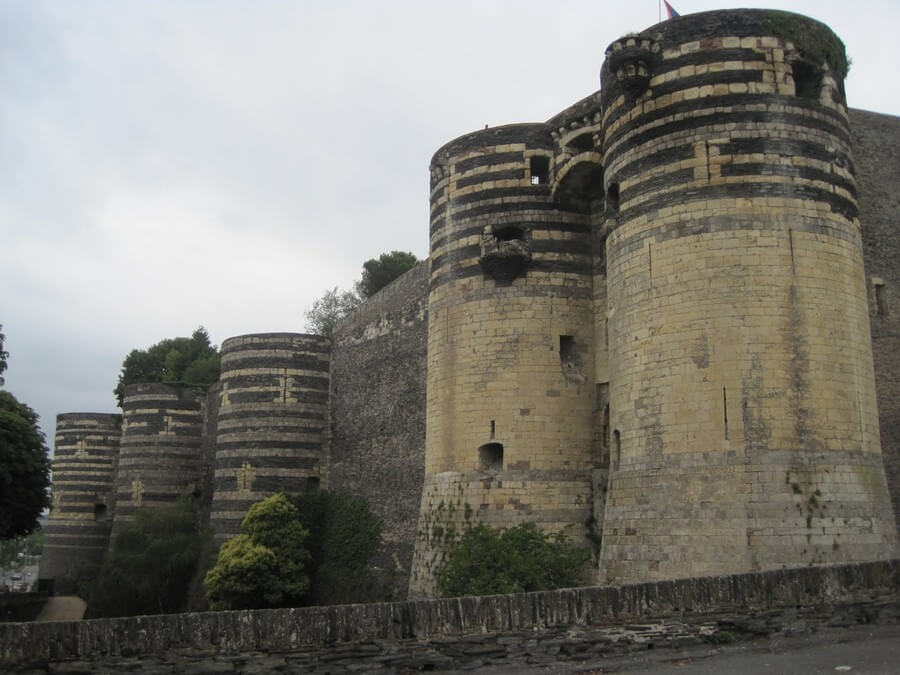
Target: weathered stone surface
378,416
876,140
85,463
465,633
272,419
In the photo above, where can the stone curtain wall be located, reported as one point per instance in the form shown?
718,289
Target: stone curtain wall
876,142
510,630
378,413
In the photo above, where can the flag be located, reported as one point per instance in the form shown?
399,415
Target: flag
670,10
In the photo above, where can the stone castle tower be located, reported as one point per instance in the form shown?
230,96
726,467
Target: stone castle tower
742,391
643,323
84,490
663,285
271,422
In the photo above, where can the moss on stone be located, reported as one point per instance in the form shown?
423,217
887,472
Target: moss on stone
814,40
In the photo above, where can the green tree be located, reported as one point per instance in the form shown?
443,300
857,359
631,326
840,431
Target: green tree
333,306
192,360
12,550
378,273
24,468
266,565
344,535
3,356
150,564
515,560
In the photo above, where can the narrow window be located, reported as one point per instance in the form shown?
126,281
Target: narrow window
493,428
540,170
312,483
606,430
612,199
100,512
567,350
881,303
490,457
617,448
725,410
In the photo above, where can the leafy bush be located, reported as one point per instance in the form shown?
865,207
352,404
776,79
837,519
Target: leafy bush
344,535
265,566
299,550
519,559
151,562
333,306
379,272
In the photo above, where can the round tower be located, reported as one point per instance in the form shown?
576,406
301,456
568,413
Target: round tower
509,392
742,401
84,469
161,458
273,422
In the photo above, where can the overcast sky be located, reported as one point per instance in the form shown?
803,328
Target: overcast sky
165,165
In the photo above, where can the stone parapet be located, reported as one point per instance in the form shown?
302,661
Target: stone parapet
506,630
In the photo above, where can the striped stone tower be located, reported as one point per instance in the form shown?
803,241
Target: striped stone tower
160,459
509,398
84,468
273,422
745,426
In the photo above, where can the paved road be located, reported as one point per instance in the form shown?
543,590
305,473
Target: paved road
866,650
62,608
872,650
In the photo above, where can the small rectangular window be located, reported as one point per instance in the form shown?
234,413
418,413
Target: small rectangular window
567,350
612,199
540,170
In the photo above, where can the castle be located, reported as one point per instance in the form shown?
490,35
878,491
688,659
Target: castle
645,322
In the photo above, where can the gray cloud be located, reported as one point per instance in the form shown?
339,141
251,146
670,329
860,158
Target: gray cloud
169,164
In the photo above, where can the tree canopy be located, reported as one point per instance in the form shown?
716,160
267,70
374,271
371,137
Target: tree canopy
266,565
150,564
378,273
333,306
192,360
24,468
516,560
298,550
